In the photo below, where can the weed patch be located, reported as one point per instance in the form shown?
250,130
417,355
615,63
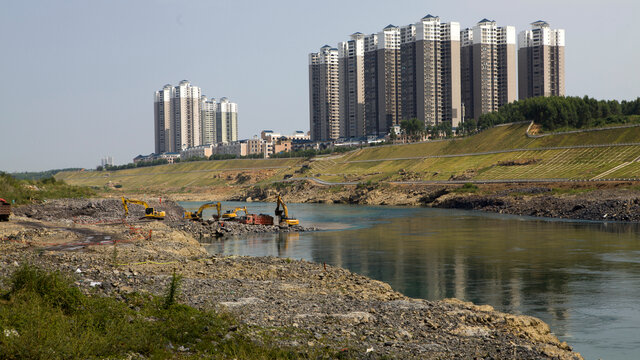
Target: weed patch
43,316
466,188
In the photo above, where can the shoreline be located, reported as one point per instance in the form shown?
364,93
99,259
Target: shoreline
303,304
607,202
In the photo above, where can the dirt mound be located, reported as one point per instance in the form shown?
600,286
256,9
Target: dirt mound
95,210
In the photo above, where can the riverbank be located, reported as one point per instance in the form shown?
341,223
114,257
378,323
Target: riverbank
608,201
299,304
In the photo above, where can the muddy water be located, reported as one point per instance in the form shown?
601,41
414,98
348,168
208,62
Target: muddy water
582,278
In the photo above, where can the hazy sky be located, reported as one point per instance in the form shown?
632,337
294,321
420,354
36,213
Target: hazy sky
79,76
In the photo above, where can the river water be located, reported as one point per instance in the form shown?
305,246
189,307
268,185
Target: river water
582,278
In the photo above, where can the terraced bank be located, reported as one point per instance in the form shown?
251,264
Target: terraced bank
503,153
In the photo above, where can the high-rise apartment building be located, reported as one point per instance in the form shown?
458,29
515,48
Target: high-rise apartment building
371,84
382,88
430,71
451,100
226,121
324,94
541,61
351,79
163,120
208,111
488,68
183,118
408,78
185,105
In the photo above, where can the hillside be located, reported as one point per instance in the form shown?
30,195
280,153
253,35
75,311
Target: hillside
181,177
499,153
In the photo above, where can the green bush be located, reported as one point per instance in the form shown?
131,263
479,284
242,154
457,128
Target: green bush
466,188
25,191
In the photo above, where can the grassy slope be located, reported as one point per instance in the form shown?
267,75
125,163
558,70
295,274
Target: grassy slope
179,176
579,163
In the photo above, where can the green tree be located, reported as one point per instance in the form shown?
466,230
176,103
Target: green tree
412,128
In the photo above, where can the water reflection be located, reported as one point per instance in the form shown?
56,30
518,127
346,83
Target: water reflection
582,278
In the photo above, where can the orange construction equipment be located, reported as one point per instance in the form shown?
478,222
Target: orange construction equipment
5,210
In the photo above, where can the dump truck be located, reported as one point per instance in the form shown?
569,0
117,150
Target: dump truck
5,210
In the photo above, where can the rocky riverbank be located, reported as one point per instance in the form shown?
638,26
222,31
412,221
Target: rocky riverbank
300,304
102,211
584,201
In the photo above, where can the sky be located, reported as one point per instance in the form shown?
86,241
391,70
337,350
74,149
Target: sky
79,76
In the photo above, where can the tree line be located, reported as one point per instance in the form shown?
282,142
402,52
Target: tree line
558,112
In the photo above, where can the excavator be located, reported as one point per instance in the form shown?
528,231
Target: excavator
283,214
149,212
197,216
230,215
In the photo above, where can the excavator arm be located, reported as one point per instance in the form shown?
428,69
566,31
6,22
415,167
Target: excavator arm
149,212
283,214
198,214
233,214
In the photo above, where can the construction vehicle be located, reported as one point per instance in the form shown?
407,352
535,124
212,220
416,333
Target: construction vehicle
149,212
233,214
283,214
261,219
197,216
5,210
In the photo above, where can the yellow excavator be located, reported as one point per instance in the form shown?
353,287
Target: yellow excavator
229,215
149,212
197,216
283,214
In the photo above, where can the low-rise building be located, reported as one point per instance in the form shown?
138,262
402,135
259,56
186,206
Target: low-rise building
234,148
257,146
170,157
282,145
202,151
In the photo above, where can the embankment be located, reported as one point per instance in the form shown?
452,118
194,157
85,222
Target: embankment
610,201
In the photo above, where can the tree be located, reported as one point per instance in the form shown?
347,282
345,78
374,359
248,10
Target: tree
412,128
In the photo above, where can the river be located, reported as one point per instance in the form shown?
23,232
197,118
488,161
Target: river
582,278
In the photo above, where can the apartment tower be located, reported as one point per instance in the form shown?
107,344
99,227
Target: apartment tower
185,105
488,68
324,94
408,77
351,77
371,84
382,80
226,121
541,61
162,123
430,71
208,110
451,100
